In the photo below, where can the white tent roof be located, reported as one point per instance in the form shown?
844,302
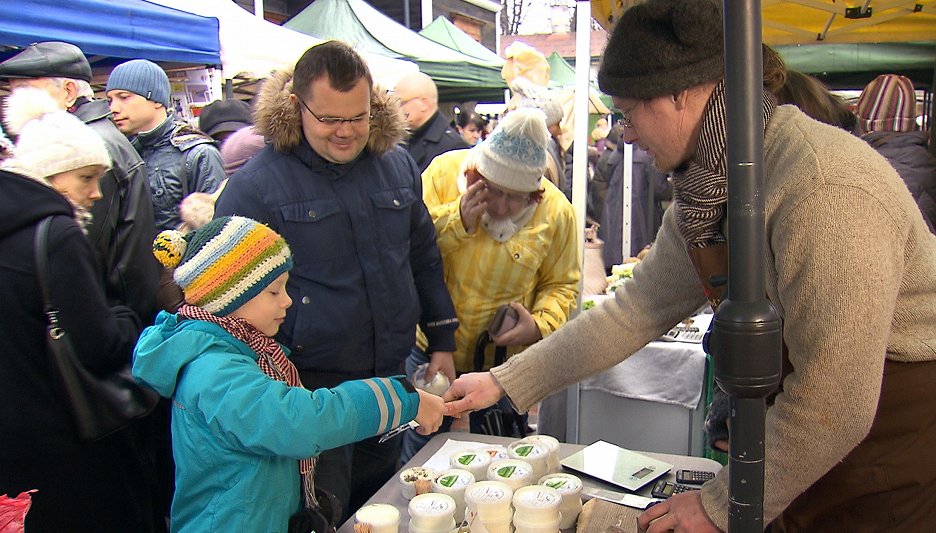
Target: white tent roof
253,46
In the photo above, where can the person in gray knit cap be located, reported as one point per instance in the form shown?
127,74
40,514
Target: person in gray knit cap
849,437
179,159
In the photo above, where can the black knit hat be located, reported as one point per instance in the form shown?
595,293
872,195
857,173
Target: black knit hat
663,47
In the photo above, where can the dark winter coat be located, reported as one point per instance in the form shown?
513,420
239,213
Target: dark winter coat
179,160
367,267
644,173
433,138
122,229
907,153
95,486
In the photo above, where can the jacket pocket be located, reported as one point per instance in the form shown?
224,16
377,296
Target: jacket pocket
316,230
394,207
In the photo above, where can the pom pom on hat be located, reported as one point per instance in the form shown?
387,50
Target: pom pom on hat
225,263
514,155
51,140
663,47
169,247
887,103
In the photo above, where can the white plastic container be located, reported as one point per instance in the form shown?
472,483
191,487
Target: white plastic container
438,385
474,461
431,513
383,518
570,487
454,482
488,506
408,478
552,447
537,506
524,526
514,472
534,453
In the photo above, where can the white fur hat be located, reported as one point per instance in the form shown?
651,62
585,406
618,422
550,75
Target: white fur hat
51,140
514,156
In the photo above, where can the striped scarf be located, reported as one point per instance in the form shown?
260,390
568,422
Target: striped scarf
271,360
701,187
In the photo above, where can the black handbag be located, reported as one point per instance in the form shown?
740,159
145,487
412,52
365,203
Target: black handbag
100,405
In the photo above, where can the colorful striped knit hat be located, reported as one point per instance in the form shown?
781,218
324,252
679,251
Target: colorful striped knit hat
225,263
888,103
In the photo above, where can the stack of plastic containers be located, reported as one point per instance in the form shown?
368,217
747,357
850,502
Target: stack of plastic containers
432,513
552,447
513,472
453,483
474,461
570,488
534,453
536,509
488,507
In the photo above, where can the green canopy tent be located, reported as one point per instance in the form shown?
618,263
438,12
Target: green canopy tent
459,77
442,31
561,73
853,65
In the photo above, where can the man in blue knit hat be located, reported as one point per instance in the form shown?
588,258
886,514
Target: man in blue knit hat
179,159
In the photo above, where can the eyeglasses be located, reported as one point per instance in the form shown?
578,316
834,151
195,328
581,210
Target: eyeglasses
494,193
334,122
625,120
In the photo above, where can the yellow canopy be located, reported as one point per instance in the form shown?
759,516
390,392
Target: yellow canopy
824,21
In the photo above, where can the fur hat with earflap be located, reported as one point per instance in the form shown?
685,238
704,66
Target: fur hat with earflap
50,140
514,155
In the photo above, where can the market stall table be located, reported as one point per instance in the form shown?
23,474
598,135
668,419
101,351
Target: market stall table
391,492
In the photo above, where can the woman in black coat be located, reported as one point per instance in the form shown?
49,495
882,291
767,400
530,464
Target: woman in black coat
81,486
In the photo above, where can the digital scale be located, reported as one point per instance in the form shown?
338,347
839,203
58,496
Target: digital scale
616,465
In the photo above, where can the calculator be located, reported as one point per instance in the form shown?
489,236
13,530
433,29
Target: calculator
693,477
665,489
684,334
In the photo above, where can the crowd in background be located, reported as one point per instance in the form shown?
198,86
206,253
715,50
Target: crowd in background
384,236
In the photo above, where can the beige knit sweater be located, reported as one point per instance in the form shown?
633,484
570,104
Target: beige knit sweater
850,266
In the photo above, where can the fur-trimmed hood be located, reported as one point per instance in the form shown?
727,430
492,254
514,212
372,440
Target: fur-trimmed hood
278,120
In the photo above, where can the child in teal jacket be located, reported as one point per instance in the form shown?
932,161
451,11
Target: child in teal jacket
244,431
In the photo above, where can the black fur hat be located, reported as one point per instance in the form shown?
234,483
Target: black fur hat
663,47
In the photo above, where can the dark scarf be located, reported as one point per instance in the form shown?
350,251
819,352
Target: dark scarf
271,360
701,187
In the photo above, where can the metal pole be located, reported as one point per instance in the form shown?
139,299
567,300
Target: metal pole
746,336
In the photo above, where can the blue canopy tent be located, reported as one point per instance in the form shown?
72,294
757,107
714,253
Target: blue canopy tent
109,31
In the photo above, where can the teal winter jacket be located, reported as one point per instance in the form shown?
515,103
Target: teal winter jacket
237,434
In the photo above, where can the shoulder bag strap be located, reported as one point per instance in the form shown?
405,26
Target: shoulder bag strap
42,267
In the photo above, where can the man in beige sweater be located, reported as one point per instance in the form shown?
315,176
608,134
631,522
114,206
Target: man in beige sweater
851,267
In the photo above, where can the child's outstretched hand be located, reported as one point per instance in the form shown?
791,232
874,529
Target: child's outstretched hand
429,416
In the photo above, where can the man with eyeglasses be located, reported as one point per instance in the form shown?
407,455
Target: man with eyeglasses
430,133
850,267
507,237
335,184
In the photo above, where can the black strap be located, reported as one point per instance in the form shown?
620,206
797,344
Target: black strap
500,352
42,263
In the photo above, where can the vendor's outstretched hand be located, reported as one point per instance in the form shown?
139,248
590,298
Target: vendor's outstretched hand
682,513
525,332
429,416
471,392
